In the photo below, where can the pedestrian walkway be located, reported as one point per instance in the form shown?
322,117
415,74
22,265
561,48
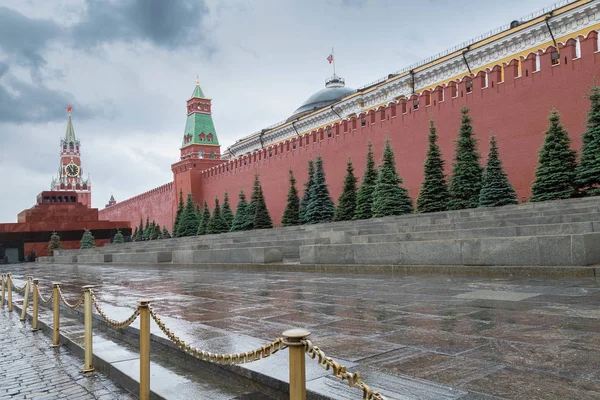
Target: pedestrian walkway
31,369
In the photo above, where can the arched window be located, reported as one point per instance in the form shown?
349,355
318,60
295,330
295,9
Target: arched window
71,145
201,154
212,155
209,137
202,136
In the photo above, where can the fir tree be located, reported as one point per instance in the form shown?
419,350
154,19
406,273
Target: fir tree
54,244
199,214
555,174
156,232
346,207
180,208
306,195
188,224
87,240
389,198
216,224
134,237
588,170
434,193
203,227
146,233
291,215
258,207
140,236
165,233
118,239
320,207
226,211
496,190
364,196
239,220
465,183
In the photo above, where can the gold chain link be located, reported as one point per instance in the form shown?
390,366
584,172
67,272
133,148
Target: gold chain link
339,371
112,322
18,289
41,298
227,359
69,305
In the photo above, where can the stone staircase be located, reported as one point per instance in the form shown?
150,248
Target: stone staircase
556,233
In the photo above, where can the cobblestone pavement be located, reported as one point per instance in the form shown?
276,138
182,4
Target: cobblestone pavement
508,338
31,369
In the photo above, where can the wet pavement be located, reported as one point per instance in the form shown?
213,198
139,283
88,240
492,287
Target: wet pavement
31,369
513,338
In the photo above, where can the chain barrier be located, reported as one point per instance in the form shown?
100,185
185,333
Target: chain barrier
227,359
18,289
339,371
115,324
69,305
41,298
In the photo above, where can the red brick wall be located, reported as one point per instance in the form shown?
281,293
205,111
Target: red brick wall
515,111
155,204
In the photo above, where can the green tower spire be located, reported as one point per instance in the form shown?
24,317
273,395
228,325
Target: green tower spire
199,126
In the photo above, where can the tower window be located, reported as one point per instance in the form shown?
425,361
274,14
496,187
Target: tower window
202,136
212,155
209,137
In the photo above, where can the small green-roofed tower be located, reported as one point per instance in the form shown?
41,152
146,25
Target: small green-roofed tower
199,136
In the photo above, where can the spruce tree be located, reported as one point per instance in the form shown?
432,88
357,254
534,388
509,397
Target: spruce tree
389,198
320,207
140,236
134,237
198,214
180,208
188,224
496,190
434,193
216,224
146,233
54,244
306,195
165,233
346,207
465,182
205,220
258,207
364,196
239,220
588,170
555,174
156,232
118,239
291,215
87,240
226,211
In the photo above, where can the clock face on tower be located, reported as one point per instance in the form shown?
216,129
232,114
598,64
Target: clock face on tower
72,170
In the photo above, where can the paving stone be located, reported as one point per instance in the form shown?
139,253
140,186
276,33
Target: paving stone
34,372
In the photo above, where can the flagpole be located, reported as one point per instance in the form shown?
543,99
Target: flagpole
333,61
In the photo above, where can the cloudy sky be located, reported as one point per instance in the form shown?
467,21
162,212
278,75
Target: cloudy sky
127,67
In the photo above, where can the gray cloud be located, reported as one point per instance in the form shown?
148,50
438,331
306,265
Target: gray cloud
24,38
170,24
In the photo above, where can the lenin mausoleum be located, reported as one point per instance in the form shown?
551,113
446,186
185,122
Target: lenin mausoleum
510,79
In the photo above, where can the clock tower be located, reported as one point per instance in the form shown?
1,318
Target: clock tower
70,173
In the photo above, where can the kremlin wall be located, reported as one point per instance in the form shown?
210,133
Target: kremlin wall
510,80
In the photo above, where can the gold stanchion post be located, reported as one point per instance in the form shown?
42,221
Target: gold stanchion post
144,350
9,284
25,299
3,290
56,316
87,323
293,339
34,322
